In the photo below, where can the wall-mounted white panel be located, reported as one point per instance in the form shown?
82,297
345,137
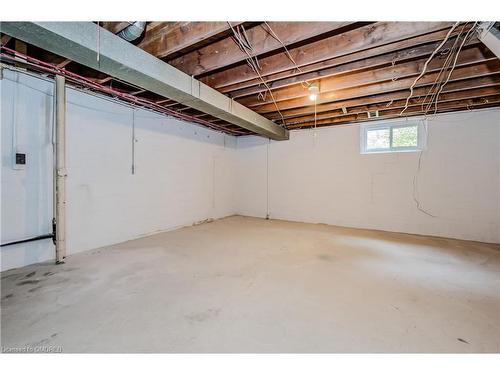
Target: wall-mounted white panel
26,197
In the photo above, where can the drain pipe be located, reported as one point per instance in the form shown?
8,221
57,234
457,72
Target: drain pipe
59,222
132,31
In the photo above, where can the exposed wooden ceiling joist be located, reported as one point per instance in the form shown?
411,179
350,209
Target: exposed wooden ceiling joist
373,62
386,98
227,52
171,41
358,67
63,63
455,105
5,39
470,55
338,45
387,53
482,92
469,71
115,27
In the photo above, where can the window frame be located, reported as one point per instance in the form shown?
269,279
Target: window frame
391,125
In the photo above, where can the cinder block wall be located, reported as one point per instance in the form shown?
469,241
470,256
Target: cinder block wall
324,178
183,173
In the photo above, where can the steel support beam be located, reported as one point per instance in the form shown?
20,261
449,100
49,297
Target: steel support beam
97,48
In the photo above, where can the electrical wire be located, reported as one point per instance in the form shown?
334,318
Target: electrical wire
247,40
287,52
245,45
304,83
255,67
439,78
435,98
416,175
454,64
440,81
315,113
425,66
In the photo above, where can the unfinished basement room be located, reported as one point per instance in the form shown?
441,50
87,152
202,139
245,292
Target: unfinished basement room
250,187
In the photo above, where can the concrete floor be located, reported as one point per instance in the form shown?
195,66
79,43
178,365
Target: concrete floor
251,285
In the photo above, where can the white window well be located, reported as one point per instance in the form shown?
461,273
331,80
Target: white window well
392,136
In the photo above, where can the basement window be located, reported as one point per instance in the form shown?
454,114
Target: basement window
392,137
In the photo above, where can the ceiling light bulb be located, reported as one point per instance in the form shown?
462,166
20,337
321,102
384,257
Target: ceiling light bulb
313,92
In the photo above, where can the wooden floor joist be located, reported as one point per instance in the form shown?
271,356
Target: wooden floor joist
358,66
370,62
335,46
416,110
386,98
460,73
227,52
167,42
5,39
395,104
397,72
115,27
368,58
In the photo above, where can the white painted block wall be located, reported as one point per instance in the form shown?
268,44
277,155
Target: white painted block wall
325,179
184,173
26,195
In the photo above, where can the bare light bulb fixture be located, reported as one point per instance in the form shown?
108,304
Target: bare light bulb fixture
313,92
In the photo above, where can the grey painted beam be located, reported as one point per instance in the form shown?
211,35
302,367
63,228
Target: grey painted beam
83,43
